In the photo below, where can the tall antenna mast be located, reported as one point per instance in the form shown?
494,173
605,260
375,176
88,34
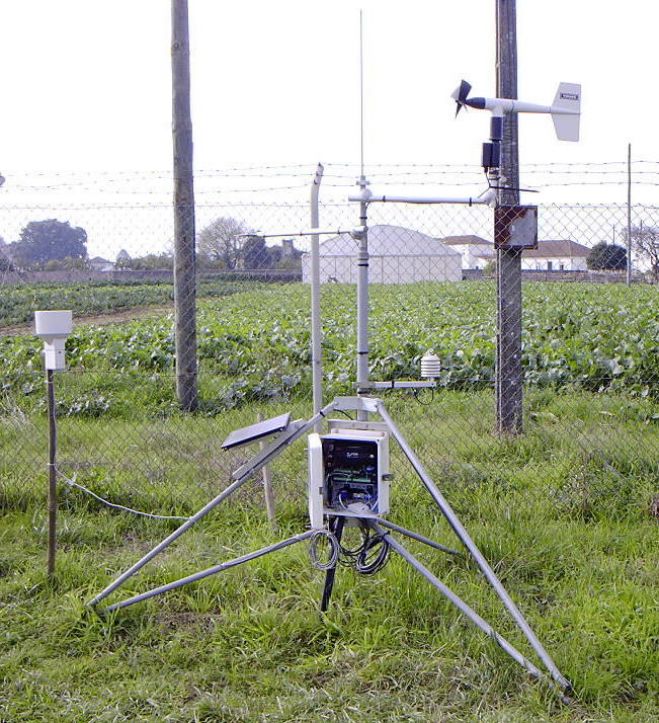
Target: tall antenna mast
362,254
361,90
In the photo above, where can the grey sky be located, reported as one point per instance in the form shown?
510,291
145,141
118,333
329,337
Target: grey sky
86,83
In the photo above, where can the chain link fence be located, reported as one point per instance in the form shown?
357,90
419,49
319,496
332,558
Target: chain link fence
588,340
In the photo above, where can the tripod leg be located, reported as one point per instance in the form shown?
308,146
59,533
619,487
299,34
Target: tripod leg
475,618
466,540
240,477
166,542
211,571
336,526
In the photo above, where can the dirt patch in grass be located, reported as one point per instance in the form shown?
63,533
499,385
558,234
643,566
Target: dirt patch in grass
168,620
112,317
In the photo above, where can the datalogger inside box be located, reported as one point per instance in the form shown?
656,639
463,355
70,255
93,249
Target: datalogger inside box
348,471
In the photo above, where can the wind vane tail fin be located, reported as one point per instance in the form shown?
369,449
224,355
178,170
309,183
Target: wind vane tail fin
566,111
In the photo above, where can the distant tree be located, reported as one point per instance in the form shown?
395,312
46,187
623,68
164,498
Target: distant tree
149,262
43,241
221,242
276,257
607,257
254,253
289,263
122,257
490,268
67,264
5,259
645,241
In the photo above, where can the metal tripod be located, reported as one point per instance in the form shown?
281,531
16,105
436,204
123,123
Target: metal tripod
383,527
363,405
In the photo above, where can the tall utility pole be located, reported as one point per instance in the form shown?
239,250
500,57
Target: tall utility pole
508,391
184,213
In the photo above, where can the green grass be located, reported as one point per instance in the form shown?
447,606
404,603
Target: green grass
562,514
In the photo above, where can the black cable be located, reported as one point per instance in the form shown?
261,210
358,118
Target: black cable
369,564
345,413
370,556
415,392
348,557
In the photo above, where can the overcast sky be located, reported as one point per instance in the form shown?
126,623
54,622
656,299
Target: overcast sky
86,84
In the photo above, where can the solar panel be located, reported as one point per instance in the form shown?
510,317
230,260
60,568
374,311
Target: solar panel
246,435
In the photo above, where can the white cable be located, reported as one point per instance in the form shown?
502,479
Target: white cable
73,483
334,550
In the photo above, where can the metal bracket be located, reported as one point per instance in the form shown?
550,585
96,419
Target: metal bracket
357,404
397,384
335,424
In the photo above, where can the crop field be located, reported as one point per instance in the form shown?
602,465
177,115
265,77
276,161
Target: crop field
565,514
20,302
255,345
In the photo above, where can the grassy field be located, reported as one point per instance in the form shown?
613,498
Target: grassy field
563,514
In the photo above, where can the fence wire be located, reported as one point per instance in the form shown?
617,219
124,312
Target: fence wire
587,346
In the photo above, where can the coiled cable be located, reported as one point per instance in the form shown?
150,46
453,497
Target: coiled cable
314,552
373,556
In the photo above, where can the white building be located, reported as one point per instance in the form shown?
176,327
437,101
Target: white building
475,251
552,255
396,256
556,255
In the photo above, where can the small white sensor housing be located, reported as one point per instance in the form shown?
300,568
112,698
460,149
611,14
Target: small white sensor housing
53,327
430,366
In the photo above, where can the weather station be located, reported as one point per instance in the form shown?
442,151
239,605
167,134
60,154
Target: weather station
349,480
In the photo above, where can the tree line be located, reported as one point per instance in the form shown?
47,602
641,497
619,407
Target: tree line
228,244
49,244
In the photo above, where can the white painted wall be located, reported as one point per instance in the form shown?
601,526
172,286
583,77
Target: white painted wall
387,269
558,263
471,254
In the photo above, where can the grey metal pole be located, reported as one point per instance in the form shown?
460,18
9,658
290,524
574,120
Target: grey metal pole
316,328
419,538
249,470
466,540
509,392
397,528
184,213
506,87
362,297
52,474
508,386
475,618
629,214
211,571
